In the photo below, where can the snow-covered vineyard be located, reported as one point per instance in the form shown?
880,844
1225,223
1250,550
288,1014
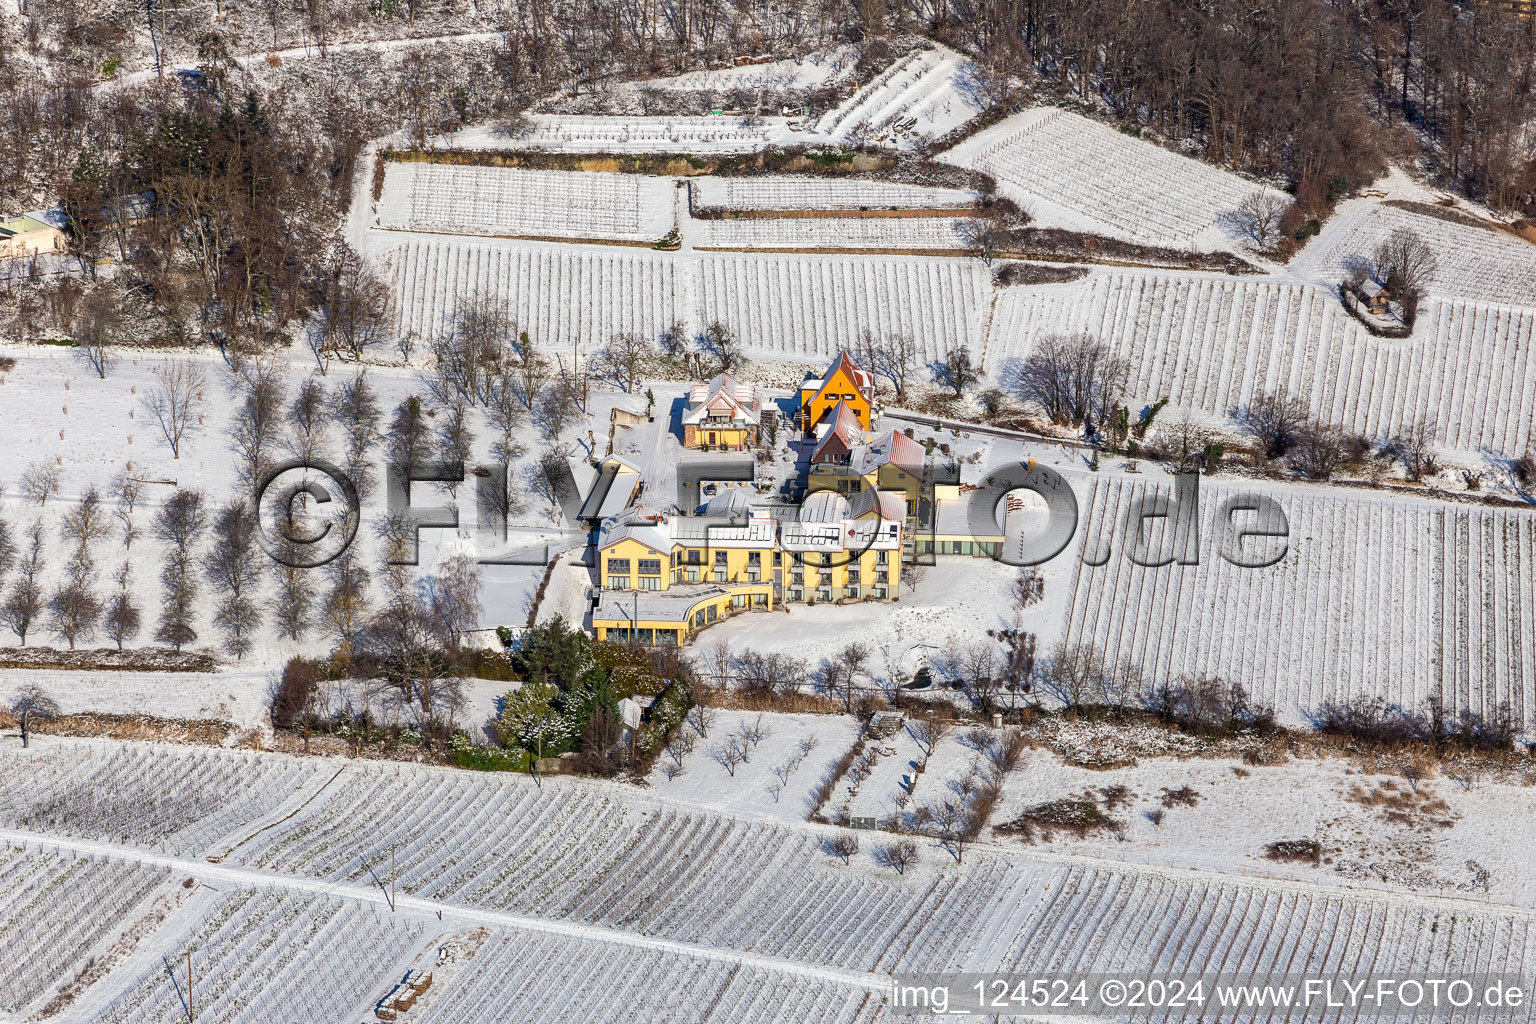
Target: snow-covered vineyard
911,234
1210,344
756,920
559,295
796,307
785,192
1398,599
517,203
1052,161
1478,263
920,97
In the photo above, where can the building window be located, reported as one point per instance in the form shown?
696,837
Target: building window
720,558
650,582
618,583
693,575
693,558
650,567
698,617
880,593
881,558
712,613
755,558
853,576
720,575
618,567
739,601
778,558
759,600
851,591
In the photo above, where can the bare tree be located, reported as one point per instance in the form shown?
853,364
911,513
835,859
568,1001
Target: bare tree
505,412
31,704
1404,263
258,384
1275,420
1076,675
956,370
356,308
894,357
99,327
930,732
74,611
40,482
309,417
557,411
549,478
675,340
701,716
21,608
87,521
1259,215
623,359
844,846
1075,379
1319,451
122,619
530,369
233,566
728,755
1414,446
179,524
898,856
174,400
983,237
453,596
720,341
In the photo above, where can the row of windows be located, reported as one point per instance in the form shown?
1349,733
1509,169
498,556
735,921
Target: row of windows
648,566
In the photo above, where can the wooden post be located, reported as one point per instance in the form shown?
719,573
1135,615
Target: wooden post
190,1017
391,877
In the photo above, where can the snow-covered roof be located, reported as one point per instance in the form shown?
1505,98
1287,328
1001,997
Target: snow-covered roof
670,605
891,448
840,432
723,396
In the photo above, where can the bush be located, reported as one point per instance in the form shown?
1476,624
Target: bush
1304,851
295,692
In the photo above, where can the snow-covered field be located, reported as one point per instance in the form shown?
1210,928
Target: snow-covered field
1481,264
560,295
1062,166
919,98
602,133
506,201
1396,598
1210,344
779,775
789,192
781,307
496,875
915,234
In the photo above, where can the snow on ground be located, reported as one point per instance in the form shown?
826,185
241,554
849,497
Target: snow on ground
505,201
1053,162
954,602
794,192
1484,263
622,133
815,69
1241,808
778,779
913,234
921,97
238,695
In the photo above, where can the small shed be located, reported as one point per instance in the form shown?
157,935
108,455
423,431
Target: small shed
886,723
1376,296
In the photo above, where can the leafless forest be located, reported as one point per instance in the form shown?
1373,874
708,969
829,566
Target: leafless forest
245,158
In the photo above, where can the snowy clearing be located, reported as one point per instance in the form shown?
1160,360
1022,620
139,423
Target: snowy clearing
1117,184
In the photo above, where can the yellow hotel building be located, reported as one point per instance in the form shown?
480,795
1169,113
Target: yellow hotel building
665,577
